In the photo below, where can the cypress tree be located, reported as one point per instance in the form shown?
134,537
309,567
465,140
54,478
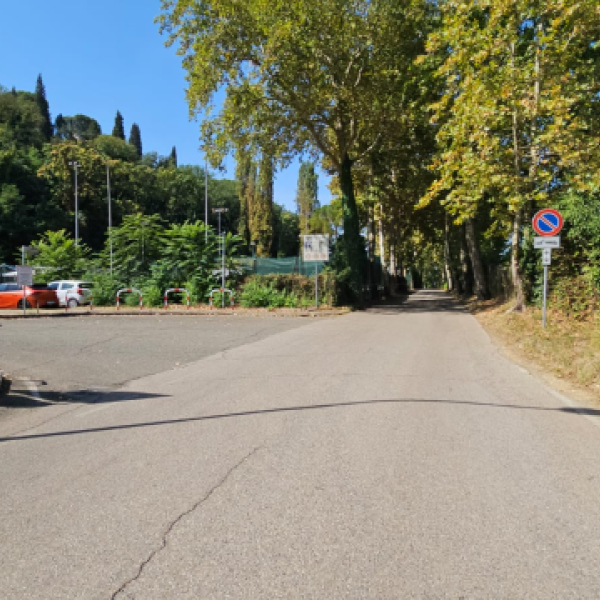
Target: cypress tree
306,196
119,128
42,102
174,156
135,139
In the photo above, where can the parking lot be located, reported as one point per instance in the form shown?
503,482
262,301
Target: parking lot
84,356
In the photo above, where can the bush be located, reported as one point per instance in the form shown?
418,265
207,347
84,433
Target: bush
276,291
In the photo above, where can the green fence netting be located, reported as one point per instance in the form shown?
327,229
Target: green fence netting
282,266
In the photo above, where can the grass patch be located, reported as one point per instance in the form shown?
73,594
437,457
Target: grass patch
568,348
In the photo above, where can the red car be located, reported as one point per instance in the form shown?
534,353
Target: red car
36,295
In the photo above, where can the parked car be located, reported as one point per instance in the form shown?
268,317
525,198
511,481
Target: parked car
72,292
36,295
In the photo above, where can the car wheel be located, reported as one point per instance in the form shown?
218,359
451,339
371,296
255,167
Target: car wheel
72,303
20,304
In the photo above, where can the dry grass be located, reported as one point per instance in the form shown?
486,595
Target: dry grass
567,349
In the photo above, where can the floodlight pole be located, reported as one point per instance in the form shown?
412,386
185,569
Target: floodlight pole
75,166
109,218
206,198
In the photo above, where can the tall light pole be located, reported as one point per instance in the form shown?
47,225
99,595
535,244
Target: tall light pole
109,218
75,166
220,211
206,198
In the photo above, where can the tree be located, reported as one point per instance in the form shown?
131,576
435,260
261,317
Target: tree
307,193
137,244
115,148
135,139
42,102
261,216
57,251
174,156
119,128
79,128
518,117
331,75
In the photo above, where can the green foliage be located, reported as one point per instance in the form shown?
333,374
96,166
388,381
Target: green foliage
21,123
291,291
115,148
61,257
137,244
135,139
79,128
119,127
307,194
286,232
44,108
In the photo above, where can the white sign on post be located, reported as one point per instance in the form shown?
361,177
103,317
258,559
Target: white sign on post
546,242
315,248
546,257
24,275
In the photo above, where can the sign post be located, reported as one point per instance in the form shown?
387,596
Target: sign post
547,223
220,211
315,248
24,277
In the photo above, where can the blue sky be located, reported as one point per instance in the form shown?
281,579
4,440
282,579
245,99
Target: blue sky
99,57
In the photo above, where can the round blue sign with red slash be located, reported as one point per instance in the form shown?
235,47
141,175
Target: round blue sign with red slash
548,222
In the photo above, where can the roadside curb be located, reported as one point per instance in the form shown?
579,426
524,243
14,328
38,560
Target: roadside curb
178,313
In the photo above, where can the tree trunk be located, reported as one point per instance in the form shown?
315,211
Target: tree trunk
481,289
514,262
373,279
466,278
516,235
447,260
354,251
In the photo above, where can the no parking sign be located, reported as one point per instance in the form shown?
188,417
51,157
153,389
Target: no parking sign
547,223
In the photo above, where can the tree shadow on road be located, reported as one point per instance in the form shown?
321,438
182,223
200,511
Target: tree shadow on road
271,411
423,301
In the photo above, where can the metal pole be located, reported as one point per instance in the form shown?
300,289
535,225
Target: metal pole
76,209
545,296
317,284
206,198
23,263
109,218
222,264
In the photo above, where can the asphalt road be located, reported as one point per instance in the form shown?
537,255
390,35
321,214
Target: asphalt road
387,454
86,355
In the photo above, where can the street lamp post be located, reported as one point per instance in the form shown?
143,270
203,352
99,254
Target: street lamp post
206,198
219,211
75,166
109,217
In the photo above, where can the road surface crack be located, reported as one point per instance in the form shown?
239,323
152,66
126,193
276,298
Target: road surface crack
164,541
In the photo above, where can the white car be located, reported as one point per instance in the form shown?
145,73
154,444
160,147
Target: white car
72,293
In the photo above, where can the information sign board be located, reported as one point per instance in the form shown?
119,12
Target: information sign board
315,248
24,275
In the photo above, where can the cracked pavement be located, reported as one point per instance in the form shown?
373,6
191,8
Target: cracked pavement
393,453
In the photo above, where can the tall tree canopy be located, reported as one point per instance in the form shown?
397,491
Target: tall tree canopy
519,117
307,194
119,127
331,76
42,102
135,139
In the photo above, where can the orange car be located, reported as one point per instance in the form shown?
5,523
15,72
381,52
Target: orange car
38,294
